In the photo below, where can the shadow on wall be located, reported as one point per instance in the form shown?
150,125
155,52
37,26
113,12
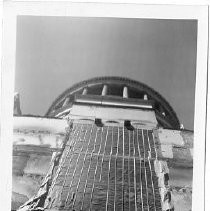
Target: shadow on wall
28,173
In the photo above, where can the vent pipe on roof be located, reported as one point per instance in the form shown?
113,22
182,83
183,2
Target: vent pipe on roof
16,109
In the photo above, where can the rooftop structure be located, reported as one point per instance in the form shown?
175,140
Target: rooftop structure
115,92
120,141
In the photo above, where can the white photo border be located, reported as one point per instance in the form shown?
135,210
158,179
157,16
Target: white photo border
14,9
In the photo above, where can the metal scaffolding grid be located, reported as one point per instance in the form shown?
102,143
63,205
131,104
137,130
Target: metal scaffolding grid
107,168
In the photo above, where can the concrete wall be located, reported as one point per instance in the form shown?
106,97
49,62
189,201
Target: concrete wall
31,158
176,147
34,141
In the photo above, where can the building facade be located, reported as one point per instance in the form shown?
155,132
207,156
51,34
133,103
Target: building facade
107,143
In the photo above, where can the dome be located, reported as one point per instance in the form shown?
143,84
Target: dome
115,86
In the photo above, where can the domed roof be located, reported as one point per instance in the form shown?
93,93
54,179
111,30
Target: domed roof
165,114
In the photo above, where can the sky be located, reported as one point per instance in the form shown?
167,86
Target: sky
53,53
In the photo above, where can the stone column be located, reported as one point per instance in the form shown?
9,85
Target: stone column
104,90
145,97
125,92
85,90
66,102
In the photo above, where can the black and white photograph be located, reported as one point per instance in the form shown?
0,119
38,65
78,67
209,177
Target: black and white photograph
107,106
